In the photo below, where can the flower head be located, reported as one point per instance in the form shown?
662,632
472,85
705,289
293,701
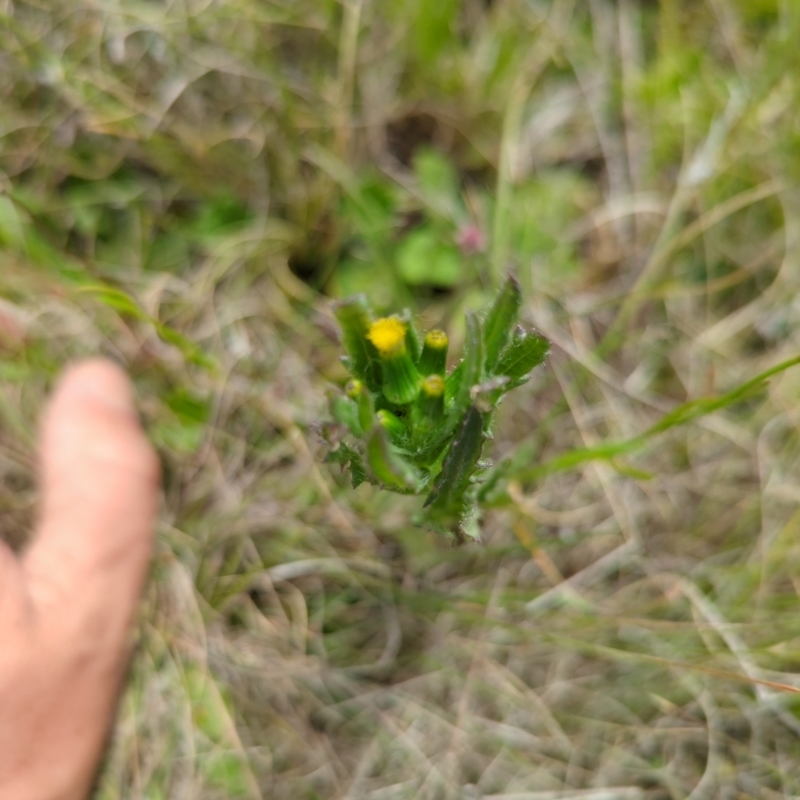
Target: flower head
388,334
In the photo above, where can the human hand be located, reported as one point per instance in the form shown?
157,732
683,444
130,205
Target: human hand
66,606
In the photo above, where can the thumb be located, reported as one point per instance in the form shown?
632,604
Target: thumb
87,563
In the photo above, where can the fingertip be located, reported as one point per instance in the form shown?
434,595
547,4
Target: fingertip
96,381
98,396
99,480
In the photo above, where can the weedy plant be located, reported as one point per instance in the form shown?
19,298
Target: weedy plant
405,424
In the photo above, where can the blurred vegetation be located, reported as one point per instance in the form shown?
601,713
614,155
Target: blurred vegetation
185,187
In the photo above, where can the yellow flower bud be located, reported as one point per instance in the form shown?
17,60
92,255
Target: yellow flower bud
388,335
433,360
400,376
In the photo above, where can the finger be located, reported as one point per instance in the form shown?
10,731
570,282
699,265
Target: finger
14,616
88,560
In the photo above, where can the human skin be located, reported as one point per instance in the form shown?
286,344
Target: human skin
68,603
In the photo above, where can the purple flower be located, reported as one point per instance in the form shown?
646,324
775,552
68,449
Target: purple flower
471,239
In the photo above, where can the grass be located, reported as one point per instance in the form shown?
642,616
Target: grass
184,188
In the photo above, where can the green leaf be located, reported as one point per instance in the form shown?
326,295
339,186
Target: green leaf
366,410
471,370
191,352
433,30
345,412
224,768
188,407
460,463
500,321
412,336
182,437
354,318
116,299
424,260
226,771
525,352
389,467
397,429
436,174
350,458
453,382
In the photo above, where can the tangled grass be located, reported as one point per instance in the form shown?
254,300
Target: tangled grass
185,186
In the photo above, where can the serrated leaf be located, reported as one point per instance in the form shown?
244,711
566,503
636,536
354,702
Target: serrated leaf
500,321
523,354
431,451
459,465
358,473
350,458
471,370
487,395
468,528
345,412
354,319
389,467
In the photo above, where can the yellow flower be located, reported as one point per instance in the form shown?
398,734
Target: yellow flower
388,335
400,377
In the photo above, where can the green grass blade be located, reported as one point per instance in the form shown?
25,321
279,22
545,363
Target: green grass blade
125,304
682,415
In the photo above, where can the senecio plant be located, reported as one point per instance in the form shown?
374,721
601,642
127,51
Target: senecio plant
405,424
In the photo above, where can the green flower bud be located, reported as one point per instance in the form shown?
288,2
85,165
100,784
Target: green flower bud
353,388
433,360
394,427
354,319
429,411
400,376
388,466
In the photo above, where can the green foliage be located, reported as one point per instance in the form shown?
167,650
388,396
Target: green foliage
404,238
423,258
428,439
221,767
